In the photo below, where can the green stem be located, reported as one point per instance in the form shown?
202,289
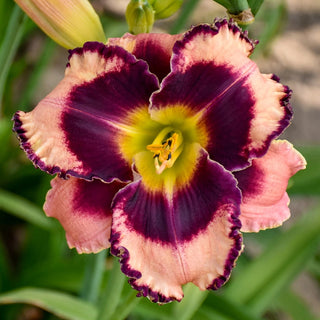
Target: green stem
129,302
185,13
93,276
237,6
255,6
10,45
110,299
191,302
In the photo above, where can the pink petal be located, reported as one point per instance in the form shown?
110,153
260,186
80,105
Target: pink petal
166,240
83,209
154,48
263,185
239,109
77,128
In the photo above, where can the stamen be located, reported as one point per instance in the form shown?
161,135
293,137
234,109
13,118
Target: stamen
166,148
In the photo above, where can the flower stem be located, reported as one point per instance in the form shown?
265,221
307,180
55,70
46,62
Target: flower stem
191,302
93,276
237,6
111,297
255,5
129,302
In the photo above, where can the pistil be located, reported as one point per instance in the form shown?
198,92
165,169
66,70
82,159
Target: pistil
166,147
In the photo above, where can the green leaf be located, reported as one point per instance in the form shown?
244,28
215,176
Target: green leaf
10,45
263,279
149,310
314,268
95,267
274,18
190,303
255,5
112,295
21,208
5,135
225,308
294,306
307,182
60,304
42,248
125,307
59,275
4,267
5,10
224,3
181,23
207,313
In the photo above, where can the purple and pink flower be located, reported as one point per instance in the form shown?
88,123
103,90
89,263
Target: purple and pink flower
165,150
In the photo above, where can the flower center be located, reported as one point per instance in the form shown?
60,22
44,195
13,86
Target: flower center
166,148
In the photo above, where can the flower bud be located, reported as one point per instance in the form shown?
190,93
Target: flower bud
140,16
70,23
165,8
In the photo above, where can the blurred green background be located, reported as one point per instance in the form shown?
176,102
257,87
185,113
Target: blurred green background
278,275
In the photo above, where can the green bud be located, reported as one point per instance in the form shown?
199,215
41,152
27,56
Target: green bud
165,8
140,16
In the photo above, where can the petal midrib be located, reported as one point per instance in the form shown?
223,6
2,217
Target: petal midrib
113,123
246,70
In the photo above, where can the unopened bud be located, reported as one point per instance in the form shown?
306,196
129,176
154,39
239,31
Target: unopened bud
140,16
165,8
68,22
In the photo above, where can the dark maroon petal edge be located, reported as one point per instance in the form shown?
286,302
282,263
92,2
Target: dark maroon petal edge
123,254
92,46
284,122
38,163
215,27
25,145
233,254
143,291
217,24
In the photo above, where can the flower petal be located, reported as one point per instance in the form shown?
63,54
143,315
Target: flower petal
166,240
263,185
154,48
83,209
76,129
241,109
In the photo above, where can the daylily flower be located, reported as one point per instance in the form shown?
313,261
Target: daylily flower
166,144
70,23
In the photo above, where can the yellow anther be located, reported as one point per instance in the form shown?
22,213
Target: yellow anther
166,152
